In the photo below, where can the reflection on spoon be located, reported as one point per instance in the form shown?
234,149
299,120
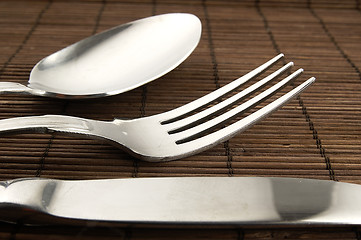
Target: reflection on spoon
114,61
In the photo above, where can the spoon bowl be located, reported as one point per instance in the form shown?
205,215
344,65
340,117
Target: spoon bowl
115,61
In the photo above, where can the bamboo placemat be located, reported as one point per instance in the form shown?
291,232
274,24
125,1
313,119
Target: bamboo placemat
317,135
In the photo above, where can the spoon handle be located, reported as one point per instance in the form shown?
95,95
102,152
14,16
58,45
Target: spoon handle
12,87
58,123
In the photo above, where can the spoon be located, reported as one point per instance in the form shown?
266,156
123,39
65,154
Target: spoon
115,61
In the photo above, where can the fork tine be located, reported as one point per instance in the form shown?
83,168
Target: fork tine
176,113
212,139
190,121
193,132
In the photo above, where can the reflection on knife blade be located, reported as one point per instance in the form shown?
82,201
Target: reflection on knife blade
184,200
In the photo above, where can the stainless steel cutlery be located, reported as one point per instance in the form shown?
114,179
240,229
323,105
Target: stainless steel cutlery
114,61
108,63
173,134
183,200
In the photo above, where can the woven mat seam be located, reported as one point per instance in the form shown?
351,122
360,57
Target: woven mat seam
21,46
240,234
99,16
143,103
15,230
333,40
300,101
216,80
27,37
66,103
357,233
349,61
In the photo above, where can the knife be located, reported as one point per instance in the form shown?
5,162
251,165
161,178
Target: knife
182,200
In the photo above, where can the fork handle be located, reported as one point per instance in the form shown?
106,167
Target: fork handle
114,131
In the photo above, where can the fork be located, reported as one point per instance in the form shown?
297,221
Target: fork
183,131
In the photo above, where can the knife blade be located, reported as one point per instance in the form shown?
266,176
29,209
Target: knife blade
182,200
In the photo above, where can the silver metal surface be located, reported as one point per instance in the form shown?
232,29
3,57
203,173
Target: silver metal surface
167,136
114,61
194,200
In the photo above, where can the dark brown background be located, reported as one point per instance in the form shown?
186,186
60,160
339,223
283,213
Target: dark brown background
315,136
